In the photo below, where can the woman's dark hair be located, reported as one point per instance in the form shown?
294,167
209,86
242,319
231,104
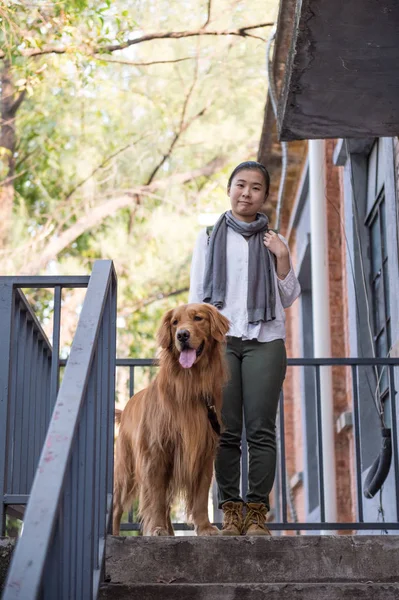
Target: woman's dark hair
254,166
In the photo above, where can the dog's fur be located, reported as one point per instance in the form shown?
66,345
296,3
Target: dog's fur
166,445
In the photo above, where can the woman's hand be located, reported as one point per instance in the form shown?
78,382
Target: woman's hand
273,242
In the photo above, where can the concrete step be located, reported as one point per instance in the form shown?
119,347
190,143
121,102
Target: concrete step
245,560
248,591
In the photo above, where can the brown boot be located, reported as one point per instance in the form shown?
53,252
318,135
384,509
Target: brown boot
232,518
255,520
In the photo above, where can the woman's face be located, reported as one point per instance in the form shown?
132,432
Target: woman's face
247,194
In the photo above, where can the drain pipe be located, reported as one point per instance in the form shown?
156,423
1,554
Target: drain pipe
321,316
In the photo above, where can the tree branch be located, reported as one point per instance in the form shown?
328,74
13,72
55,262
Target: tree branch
175,35
155,298
17,102
23,158
182,126
209,14
141,64
51,230
8,180
109,207
98,168
91,51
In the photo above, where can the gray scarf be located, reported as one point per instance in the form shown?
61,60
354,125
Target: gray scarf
261,300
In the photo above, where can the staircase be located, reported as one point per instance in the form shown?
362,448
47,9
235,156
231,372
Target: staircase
241,568
57,473
57,440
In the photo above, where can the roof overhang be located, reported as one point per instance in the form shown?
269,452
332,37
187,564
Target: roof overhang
341,62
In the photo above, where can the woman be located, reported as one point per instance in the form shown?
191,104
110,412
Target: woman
244,269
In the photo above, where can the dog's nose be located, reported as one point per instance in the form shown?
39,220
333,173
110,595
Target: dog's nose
183,335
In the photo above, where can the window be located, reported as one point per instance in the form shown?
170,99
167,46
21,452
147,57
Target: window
379,280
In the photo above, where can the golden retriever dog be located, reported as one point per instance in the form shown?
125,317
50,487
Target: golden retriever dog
169,431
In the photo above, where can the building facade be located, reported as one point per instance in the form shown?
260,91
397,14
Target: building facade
359,197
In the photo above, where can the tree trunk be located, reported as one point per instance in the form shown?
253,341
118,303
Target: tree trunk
9,106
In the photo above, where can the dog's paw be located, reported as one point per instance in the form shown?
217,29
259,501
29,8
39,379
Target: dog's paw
160,531
209,530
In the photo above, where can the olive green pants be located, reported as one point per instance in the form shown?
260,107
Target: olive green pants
257,372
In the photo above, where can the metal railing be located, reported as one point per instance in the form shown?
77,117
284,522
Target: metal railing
56,445
29,378
60,553
282,522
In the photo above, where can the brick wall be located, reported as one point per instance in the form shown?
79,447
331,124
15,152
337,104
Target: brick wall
341,377
292,401
339,331
340,348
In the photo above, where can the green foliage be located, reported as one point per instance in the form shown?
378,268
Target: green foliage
13,526
91,130
31,26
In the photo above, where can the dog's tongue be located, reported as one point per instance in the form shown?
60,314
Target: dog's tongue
187,358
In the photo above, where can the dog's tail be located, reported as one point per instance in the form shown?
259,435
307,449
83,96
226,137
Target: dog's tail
118,416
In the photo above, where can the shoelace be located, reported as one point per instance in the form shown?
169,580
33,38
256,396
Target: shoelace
232,516
257,517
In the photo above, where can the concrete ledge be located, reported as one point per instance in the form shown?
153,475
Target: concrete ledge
302,559
251,592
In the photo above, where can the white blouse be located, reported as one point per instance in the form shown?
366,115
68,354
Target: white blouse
235,308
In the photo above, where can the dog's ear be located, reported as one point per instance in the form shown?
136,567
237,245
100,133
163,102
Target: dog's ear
219,324
164,335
